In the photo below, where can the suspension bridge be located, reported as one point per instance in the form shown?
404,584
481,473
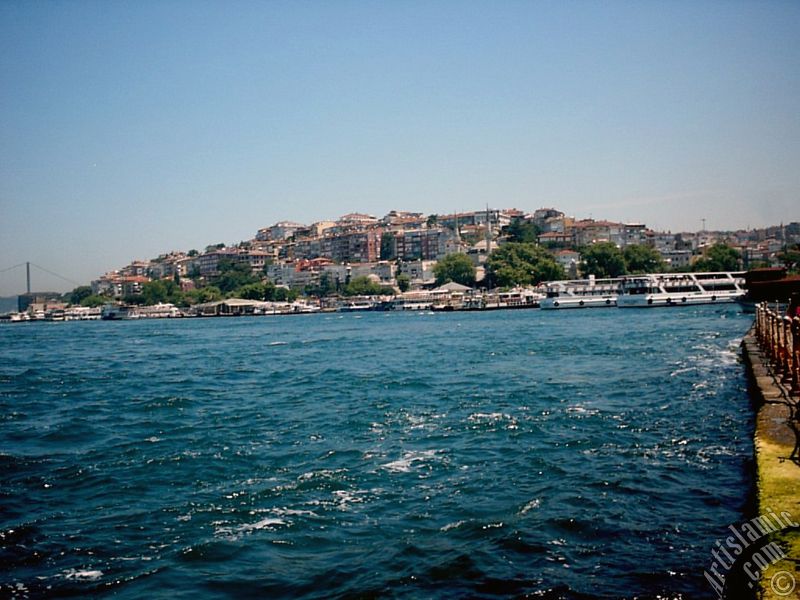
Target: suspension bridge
27,266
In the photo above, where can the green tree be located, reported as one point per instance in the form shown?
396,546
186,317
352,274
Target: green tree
233,275
161,290
519,263
325,287
94,300
137,299
432,221
522,231
252,291
387,246
403,282
192,253
790,257
719,257
202,295
362,286
79,294
282,294
603,260
455,267
643,259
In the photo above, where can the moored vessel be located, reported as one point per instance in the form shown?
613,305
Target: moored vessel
581,293
678,289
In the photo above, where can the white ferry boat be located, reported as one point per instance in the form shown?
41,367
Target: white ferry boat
677,289
581,293
115,312
356,305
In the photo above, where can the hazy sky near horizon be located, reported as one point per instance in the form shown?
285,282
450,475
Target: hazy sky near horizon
129,129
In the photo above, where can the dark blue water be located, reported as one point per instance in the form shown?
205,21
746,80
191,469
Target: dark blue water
587,454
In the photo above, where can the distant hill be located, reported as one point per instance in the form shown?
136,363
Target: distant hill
8,304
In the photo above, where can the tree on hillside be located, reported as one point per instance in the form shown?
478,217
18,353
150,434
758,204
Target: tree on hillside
455,267
603,260
403,282
643,259
387,246
94,301
161,290
79,294
719,257
364,286
517,263
254,291
790,257
210,293
234,274
520,230
281,294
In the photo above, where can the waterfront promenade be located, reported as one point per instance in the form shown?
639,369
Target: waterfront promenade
771,351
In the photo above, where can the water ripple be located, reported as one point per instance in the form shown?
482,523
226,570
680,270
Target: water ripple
527,454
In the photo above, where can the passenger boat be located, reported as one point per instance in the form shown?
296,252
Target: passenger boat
677,289
356,305
581,293
115,312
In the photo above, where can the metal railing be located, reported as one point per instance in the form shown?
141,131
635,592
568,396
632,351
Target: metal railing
779,338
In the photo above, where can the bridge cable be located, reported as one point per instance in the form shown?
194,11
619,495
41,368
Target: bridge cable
55,274
14,267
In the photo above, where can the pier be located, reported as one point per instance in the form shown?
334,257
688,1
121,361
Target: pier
771,353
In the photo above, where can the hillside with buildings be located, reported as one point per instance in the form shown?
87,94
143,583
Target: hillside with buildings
330,253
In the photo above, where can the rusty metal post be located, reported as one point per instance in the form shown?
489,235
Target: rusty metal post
775,339
787,348
795,355
770,337
759,328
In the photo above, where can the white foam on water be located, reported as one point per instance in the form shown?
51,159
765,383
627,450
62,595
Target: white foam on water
409,459
344,498
321,474
290,512
532,505
493,418
83,575
245,528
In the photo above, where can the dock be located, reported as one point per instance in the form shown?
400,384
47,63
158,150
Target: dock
771,353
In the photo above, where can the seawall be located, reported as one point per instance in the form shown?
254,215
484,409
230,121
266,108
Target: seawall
777,476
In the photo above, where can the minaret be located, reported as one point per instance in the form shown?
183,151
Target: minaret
488,232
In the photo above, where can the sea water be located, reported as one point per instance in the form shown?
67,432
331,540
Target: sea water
564,454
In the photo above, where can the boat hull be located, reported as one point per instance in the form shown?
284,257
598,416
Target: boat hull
567,302
677,299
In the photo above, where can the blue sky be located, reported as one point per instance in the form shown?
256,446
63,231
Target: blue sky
128,129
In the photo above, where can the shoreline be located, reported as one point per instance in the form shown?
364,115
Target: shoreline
777,478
